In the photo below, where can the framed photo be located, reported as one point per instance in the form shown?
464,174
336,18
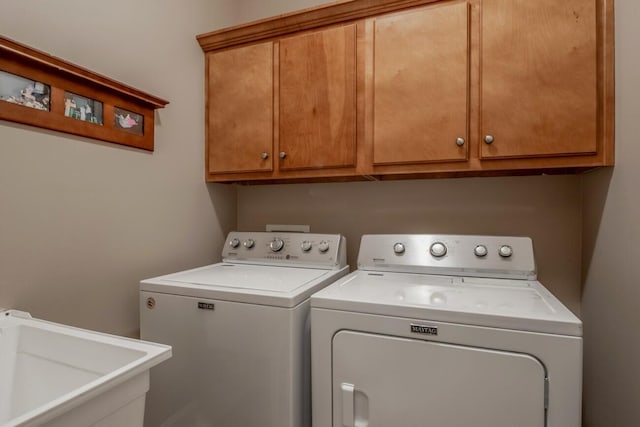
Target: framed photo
82,108
22,91
128,121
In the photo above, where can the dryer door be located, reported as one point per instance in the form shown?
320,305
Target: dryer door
382,381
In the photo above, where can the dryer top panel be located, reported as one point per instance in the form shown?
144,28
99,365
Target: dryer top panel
502,303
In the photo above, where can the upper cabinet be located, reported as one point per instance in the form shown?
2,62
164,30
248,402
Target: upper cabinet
240,109
317,87
538,78
421,85
380,89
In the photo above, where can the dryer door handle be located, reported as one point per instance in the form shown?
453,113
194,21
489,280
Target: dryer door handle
348,404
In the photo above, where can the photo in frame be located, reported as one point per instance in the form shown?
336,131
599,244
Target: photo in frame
83,108
22,91
128,121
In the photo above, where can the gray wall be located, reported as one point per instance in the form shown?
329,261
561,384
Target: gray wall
81,222
611,263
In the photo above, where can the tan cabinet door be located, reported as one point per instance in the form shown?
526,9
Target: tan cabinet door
421,85
317,98
240,109
538,78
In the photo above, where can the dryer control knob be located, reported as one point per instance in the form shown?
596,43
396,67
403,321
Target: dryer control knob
276,244
306,246
323,246
398,248
480,251
505,251
438,249
249,243
234,243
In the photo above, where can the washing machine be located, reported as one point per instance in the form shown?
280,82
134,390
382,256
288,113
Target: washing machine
239,331
444,331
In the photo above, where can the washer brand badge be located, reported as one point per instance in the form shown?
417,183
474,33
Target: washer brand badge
206,306
425,330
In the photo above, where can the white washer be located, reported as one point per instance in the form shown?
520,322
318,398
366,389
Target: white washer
444,330
239,331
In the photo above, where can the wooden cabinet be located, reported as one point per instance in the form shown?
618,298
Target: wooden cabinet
283,109
420,85
538,78
240,109
383,89
318,100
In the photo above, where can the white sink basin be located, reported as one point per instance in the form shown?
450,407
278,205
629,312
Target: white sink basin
59,376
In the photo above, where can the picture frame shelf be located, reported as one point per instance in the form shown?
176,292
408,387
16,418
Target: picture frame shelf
41,90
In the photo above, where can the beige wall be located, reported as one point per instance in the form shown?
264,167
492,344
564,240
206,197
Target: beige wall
81,222
611,294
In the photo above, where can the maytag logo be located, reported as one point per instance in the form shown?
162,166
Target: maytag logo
425,330
206,306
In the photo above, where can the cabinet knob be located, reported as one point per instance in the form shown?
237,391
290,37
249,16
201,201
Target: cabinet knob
460,142
488,139
264,155
283,154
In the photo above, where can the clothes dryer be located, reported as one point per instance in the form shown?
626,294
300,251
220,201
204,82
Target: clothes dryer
447,331
239,331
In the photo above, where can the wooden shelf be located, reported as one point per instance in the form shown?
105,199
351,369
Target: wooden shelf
72,99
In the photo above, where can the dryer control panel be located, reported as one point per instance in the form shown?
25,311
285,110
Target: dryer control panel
457,255
285,248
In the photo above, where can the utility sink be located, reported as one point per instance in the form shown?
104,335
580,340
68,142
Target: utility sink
59,376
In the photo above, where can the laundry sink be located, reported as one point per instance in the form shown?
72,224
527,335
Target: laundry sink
59,376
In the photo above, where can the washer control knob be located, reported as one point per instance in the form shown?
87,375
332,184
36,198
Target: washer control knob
398,248
276,245
438,249
505,251
306,246
480,251
234,243
249,243
323,246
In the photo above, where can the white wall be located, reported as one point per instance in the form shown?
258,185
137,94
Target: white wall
81,222
611,295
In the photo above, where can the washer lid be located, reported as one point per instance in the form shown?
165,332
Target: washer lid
502,303
256,284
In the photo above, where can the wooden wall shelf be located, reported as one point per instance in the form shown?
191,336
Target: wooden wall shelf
40,90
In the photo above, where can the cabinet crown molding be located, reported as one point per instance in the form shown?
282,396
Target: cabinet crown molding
302,20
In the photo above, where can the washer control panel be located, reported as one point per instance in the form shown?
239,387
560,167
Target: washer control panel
285,248
462,255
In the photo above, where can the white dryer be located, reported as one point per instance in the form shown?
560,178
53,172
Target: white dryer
444,331
239,331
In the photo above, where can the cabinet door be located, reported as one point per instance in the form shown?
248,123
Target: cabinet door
421,85
240,109
317,90
538,78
